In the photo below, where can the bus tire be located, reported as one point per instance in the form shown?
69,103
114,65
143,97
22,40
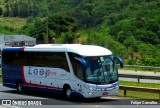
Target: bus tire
67,92
19,87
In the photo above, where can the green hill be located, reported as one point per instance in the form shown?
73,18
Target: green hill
130,28
13,22
11,25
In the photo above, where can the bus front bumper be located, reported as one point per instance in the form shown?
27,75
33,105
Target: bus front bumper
91,94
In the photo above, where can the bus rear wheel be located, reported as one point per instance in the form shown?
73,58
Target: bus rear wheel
19,87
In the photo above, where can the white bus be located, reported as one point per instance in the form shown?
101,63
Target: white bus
70,69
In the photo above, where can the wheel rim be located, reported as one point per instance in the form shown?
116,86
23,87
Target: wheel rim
68,93
19,87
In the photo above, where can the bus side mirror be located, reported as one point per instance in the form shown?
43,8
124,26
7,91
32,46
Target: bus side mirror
82,61
120,61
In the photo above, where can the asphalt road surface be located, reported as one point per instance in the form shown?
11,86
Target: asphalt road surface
58,101
141,80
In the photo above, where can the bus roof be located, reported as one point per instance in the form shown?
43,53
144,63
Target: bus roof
83,50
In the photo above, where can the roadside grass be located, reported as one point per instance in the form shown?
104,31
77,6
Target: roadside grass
140,70
141,84
140,95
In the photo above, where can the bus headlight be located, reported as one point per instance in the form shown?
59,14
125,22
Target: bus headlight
89,87
90,93
103,89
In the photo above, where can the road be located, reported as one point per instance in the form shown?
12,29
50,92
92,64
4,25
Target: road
138,73
57,101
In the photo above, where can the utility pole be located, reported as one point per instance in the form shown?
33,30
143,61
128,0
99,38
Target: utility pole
47,30
47,40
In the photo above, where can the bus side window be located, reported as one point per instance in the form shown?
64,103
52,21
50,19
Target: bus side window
79,71
77,66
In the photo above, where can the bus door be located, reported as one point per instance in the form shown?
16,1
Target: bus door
78,72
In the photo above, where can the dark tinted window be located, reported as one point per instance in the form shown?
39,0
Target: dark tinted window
49,59
13,58
77,66
40,59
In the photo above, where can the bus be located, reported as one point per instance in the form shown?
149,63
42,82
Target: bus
87,71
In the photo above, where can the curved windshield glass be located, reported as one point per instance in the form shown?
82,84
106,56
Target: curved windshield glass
101,69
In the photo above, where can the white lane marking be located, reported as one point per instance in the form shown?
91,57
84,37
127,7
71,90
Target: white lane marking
3,106
110,97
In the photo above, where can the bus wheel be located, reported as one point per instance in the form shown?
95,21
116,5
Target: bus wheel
19,87
68,92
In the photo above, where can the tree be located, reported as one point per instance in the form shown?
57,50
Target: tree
124,3
68,37
146,50
6,10
152,25
0,11
14,8
61,24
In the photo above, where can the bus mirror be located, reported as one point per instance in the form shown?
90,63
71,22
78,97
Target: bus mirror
82,61
120,61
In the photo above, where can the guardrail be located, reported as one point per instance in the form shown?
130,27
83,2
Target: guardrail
140,89
151,68
139,76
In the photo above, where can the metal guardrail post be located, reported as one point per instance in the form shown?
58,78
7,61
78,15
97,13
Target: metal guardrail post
125,92
154,71
138,79
135,69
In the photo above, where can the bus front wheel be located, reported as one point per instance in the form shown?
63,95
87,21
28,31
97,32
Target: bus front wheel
19,87
68,92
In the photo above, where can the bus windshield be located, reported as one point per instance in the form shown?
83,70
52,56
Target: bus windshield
101,70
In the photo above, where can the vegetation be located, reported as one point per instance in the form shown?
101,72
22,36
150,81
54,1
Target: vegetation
130,28
129,83
12,22
140,95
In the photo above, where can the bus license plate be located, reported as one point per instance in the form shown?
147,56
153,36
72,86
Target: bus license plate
105,94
